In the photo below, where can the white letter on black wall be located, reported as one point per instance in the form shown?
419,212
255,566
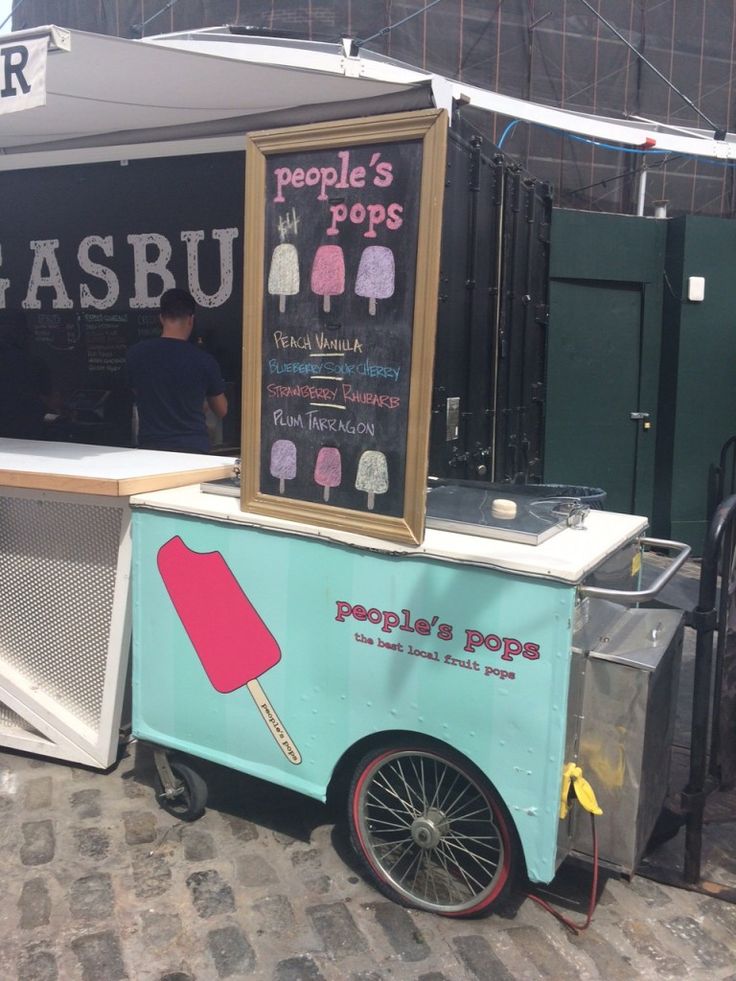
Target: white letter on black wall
225,236
44,254
145,267
88,265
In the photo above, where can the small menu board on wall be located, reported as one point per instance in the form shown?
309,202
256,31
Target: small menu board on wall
342,261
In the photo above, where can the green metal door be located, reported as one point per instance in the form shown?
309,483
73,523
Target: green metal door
593,381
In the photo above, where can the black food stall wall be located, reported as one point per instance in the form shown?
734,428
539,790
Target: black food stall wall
86,252
488,401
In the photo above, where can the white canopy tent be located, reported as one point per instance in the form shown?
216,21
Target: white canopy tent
199,91
104,91
369,65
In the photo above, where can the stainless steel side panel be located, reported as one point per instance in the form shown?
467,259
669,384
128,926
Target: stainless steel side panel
594,619
630,688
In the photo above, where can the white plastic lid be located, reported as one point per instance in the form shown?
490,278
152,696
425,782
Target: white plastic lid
503,508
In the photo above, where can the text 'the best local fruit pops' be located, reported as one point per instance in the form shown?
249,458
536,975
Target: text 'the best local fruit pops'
233,644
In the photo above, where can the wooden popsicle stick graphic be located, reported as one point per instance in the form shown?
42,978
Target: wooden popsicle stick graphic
233,644
274,723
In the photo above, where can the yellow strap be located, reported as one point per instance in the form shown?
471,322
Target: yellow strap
572,775
566,780
585,795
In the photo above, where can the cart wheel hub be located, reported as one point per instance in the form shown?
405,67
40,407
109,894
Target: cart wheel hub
427,830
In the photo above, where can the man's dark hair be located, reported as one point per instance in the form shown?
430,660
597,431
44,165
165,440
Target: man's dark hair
176,304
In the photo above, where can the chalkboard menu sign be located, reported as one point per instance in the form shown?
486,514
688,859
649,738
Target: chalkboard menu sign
342,254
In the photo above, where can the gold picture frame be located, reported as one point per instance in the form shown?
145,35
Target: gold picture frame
428,127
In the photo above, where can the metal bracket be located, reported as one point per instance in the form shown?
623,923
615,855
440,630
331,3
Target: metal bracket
173,788
702,619
691,801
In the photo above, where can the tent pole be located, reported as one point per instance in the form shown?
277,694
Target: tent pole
641,190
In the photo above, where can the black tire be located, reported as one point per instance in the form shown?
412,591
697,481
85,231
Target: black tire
190,804
431,831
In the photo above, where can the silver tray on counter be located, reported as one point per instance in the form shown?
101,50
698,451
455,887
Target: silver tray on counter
467,509
225,486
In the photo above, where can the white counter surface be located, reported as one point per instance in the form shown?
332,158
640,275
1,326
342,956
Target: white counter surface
567,557
109,470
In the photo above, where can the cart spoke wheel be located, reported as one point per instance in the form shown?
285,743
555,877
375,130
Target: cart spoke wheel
431,831
190,800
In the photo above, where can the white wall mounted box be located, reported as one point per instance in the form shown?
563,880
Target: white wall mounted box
696,289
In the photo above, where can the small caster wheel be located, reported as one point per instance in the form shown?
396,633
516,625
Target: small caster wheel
186,801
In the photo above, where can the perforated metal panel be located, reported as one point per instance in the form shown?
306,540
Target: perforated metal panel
58,563
11,720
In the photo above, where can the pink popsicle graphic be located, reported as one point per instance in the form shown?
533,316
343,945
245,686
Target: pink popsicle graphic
283,461
376,277
232,643
328,469
328,273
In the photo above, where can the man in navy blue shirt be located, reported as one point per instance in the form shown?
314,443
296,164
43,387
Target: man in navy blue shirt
172,379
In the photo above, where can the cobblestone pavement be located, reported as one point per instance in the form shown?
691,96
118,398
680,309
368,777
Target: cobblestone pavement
99,884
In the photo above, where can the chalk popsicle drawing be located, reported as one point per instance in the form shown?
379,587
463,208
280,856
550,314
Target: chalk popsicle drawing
328,273
233,644
283,276
328,469
372,475
283,461
376,277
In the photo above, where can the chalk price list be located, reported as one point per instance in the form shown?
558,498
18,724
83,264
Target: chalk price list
337,327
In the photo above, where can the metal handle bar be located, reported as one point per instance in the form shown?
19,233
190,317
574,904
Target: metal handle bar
630,596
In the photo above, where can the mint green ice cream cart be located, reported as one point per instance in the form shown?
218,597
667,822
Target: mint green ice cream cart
451,685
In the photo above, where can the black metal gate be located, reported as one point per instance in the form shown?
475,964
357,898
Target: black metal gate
712,765
488,401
